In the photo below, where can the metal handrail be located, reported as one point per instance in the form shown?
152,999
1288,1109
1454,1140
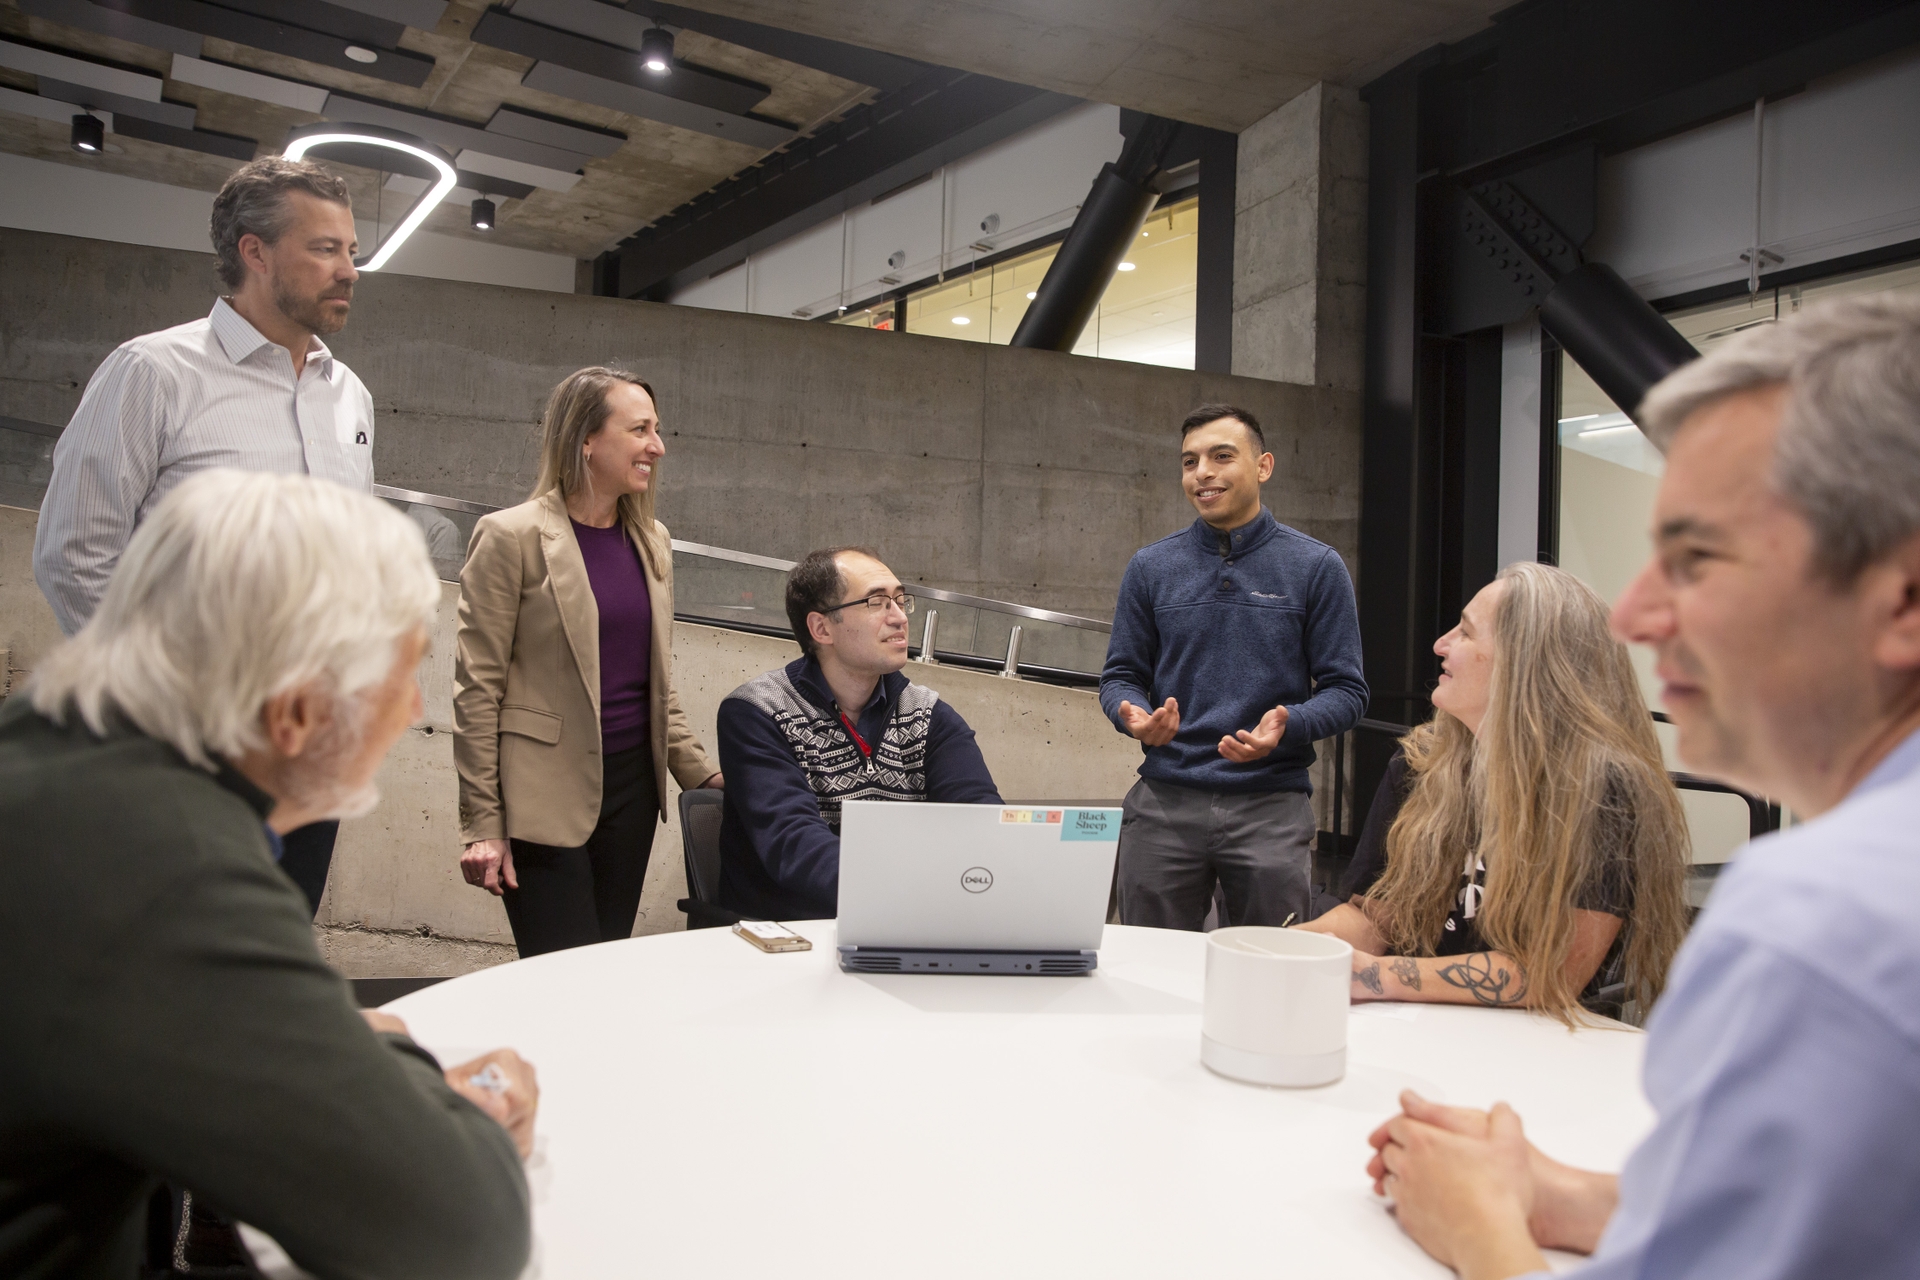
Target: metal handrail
774,562
433,500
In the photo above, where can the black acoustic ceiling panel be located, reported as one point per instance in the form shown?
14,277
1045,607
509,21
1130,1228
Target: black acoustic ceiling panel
501,30
205,140
317,15
547,131
109,22
395,66
883,71
179,115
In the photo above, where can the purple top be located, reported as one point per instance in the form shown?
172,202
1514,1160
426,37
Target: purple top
626,633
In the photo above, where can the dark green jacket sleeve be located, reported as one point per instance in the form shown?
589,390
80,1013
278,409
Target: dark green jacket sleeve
206,1040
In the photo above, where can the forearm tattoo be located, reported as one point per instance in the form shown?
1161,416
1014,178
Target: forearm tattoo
1369,978
1407,969
1476,975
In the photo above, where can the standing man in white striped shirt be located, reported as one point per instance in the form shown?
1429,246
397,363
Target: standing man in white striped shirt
251,386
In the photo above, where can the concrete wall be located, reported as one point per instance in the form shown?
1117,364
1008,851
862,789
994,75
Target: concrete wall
1024,475
1300,242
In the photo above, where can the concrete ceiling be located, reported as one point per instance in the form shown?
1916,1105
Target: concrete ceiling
1221,63
658,168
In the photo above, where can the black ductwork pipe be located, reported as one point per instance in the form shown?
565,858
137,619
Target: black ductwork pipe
1623,344
1102,233
1105,229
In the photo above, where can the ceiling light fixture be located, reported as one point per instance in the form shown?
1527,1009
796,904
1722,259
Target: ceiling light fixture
961,320
1126,266
483,212
1031,295
656,50
360,53
89,136
420,153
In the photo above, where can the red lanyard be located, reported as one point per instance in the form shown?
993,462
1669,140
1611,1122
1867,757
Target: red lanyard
858,741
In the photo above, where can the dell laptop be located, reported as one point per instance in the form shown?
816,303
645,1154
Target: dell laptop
973,888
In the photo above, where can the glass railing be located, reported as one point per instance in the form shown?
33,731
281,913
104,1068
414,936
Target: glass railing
712,585
747,592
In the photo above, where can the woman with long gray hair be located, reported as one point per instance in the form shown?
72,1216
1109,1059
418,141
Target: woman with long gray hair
565,719
1526,847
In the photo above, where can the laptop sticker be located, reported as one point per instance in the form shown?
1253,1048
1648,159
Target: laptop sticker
1049,817
1091,824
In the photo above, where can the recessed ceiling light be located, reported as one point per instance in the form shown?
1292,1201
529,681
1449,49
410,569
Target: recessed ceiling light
961,320
1126,266
360,53
1031,295
1145,234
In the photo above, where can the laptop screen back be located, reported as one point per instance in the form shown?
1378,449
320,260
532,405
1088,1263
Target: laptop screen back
979,877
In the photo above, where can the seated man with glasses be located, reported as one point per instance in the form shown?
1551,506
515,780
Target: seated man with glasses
839,723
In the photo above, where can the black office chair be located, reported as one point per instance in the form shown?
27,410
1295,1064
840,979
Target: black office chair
700,844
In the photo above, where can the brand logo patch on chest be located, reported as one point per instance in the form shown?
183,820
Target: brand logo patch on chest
1265,595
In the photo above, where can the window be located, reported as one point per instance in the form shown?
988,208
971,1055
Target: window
1146,314
1609,473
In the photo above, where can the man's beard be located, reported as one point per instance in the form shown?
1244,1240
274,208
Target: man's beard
310,313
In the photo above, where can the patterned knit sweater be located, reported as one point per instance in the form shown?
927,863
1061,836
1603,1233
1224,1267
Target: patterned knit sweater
790,763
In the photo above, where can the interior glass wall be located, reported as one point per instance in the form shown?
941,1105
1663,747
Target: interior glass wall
1145,315
1609,473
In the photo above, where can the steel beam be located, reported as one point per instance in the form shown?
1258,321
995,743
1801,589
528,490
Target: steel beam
939,118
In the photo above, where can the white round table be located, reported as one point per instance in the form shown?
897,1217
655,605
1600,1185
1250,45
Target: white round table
711,1110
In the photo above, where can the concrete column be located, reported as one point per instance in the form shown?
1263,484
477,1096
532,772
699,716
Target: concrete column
1300,242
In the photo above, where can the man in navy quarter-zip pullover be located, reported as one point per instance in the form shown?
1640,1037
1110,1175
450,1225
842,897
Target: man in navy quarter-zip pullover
1235,646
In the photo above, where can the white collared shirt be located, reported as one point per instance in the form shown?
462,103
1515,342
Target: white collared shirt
210,393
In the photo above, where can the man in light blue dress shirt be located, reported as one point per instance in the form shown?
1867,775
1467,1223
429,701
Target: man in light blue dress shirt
1783,1063
251,386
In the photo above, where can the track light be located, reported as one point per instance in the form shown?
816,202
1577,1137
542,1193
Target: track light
89,137
483,212
656,50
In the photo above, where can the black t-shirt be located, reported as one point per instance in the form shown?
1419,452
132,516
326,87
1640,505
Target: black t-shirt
1608,889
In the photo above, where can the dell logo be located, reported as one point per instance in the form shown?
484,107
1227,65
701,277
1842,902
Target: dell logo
976,879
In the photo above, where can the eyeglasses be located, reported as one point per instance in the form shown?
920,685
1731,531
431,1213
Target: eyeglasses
877,600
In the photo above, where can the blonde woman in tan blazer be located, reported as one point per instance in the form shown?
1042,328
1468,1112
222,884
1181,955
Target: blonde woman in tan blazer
565,719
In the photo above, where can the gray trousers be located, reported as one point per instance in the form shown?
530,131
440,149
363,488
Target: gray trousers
1177,843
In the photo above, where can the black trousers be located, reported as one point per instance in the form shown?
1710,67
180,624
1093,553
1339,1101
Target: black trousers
577,897
305,854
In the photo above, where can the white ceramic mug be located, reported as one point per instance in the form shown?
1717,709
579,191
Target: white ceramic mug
1276,1005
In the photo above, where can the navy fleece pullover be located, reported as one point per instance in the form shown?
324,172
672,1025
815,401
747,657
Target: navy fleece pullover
1233,625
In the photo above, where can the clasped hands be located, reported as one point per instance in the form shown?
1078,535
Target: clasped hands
1473,1192
1156,729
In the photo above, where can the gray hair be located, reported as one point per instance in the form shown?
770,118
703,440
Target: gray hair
238,587
253,200
1848,454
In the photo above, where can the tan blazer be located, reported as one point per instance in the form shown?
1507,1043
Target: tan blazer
526,680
